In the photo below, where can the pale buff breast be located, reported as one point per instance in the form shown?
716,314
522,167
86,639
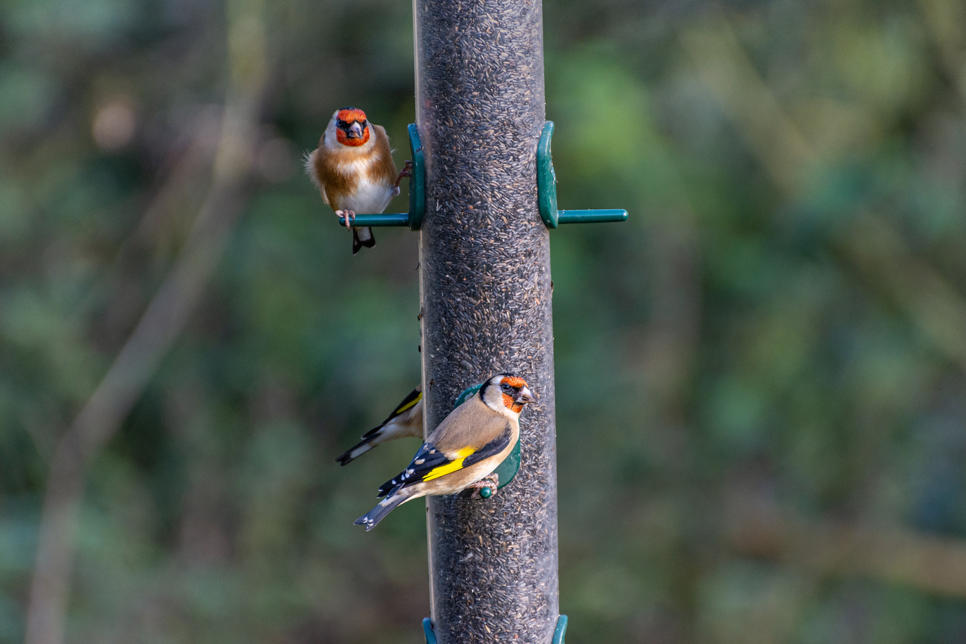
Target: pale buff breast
368,197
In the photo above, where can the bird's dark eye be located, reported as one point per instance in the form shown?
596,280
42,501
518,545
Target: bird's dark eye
505,387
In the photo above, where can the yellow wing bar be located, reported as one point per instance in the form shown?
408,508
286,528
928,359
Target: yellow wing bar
452,466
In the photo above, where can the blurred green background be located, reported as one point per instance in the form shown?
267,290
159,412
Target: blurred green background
760,375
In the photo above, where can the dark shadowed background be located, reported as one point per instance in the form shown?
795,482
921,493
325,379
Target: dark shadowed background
761,392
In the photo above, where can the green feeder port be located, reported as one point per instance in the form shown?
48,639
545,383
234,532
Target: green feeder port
510,465
546,191
417,193
558,632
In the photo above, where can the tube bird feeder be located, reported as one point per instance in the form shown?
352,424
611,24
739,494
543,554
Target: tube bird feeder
485,296
483,198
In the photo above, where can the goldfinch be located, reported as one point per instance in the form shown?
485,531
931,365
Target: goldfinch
354,171
405,421
466,447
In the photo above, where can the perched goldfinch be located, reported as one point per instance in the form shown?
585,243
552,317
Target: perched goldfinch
354,170
405,421
466,447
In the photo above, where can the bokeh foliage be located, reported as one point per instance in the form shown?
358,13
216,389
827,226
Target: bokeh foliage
760,395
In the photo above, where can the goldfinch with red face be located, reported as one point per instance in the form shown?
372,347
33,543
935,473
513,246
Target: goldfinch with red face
463,451
354,171
405,421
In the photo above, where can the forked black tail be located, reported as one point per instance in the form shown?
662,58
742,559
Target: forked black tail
378,513
362,237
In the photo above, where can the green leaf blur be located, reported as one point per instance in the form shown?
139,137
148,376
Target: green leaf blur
761,390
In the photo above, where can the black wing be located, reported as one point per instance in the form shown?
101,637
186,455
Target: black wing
408,403
492,448
430,463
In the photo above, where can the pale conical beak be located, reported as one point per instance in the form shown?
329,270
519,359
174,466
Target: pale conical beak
355,131
525,396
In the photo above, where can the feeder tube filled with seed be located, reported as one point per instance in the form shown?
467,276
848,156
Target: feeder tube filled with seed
485,298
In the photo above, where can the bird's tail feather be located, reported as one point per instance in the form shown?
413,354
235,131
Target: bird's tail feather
357,450
362,237
378,513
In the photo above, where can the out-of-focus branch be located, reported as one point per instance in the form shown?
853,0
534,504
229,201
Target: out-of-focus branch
877,249
871,242
946,21
893,555
936,307
157,330
724,66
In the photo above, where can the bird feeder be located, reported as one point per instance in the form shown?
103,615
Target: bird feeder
546,187
483,198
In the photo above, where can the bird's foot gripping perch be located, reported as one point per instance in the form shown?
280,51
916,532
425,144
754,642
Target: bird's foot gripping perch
349,216
407,171
485,487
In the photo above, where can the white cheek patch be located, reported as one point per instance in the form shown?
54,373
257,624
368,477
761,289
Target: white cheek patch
494,400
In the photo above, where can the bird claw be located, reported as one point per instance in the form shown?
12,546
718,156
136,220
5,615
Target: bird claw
349,216
489,483
406,172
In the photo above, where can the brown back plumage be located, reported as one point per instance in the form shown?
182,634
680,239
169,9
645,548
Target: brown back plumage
472,424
